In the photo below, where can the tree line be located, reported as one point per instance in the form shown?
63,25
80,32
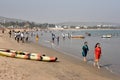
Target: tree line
26,24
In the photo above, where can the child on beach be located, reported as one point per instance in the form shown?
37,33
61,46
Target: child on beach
85,50
97,55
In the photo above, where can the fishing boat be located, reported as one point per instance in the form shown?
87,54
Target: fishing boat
78,36
107,36
26,55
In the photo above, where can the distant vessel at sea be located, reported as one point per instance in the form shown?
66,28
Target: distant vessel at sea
77,36
107,36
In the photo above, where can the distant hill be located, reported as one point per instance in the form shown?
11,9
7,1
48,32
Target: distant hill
88,23
4,19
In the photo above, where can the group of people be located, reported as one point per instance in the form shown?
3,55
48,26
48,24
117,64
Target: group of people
19,36
58,37
97,53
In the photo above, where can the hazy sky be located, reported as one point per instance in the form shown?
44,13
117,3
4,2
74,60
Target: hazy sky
55,11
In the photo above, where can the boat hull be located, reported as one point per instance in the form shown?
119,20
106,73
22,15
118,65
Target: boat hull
26,55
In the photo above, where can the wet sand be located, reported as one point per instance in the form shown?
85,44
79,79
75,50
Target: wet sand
66,67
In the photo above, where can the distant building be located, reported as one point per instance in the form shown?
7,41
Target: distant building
58,27
77,27
85,27
99,25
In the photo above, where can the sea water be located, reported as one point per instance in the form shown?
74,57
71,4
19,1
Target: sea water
110,58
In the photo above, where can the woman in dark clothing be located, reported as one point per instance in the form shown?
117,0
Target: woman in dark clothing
85,50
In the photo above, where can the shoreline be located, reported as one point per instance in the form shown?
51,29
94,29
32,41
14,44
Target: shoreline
66,68
28,29
81,29
80,59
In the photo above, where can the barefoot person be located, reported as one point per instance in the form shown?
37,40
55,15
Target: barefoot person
97,55
85,50
37,38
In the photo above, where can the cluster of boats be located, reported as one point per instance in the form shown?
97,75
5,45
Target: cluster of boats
82,37
26,55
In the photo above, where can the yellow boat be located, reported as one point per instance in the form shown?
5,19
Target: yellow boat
26,55
78,36
48,59
8,54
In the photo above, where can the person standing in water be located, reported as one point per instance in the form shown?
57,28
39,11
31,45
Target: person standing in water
58,40
97,55
53,37
85,50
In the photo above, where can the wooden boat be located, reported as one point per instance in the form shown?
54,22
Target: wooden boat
77,36
26,55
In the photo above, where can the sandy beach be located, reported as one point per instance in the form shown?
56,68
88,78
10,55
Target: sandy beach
66,67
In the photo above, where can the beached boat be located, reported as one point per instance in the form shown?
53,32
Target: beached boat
31,56
48,59
20,54
78,36
4,53
26,55
107,36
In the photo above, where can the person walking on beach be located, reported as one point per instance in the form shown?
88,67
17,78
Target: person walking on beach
85,50
37,38
63,35
10,33
17,36
3,30
22,36
26,36
69,35
53,37
97,55
58,40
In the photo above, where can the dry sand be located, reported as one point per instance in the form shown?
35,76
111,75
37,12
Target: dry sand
66,68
